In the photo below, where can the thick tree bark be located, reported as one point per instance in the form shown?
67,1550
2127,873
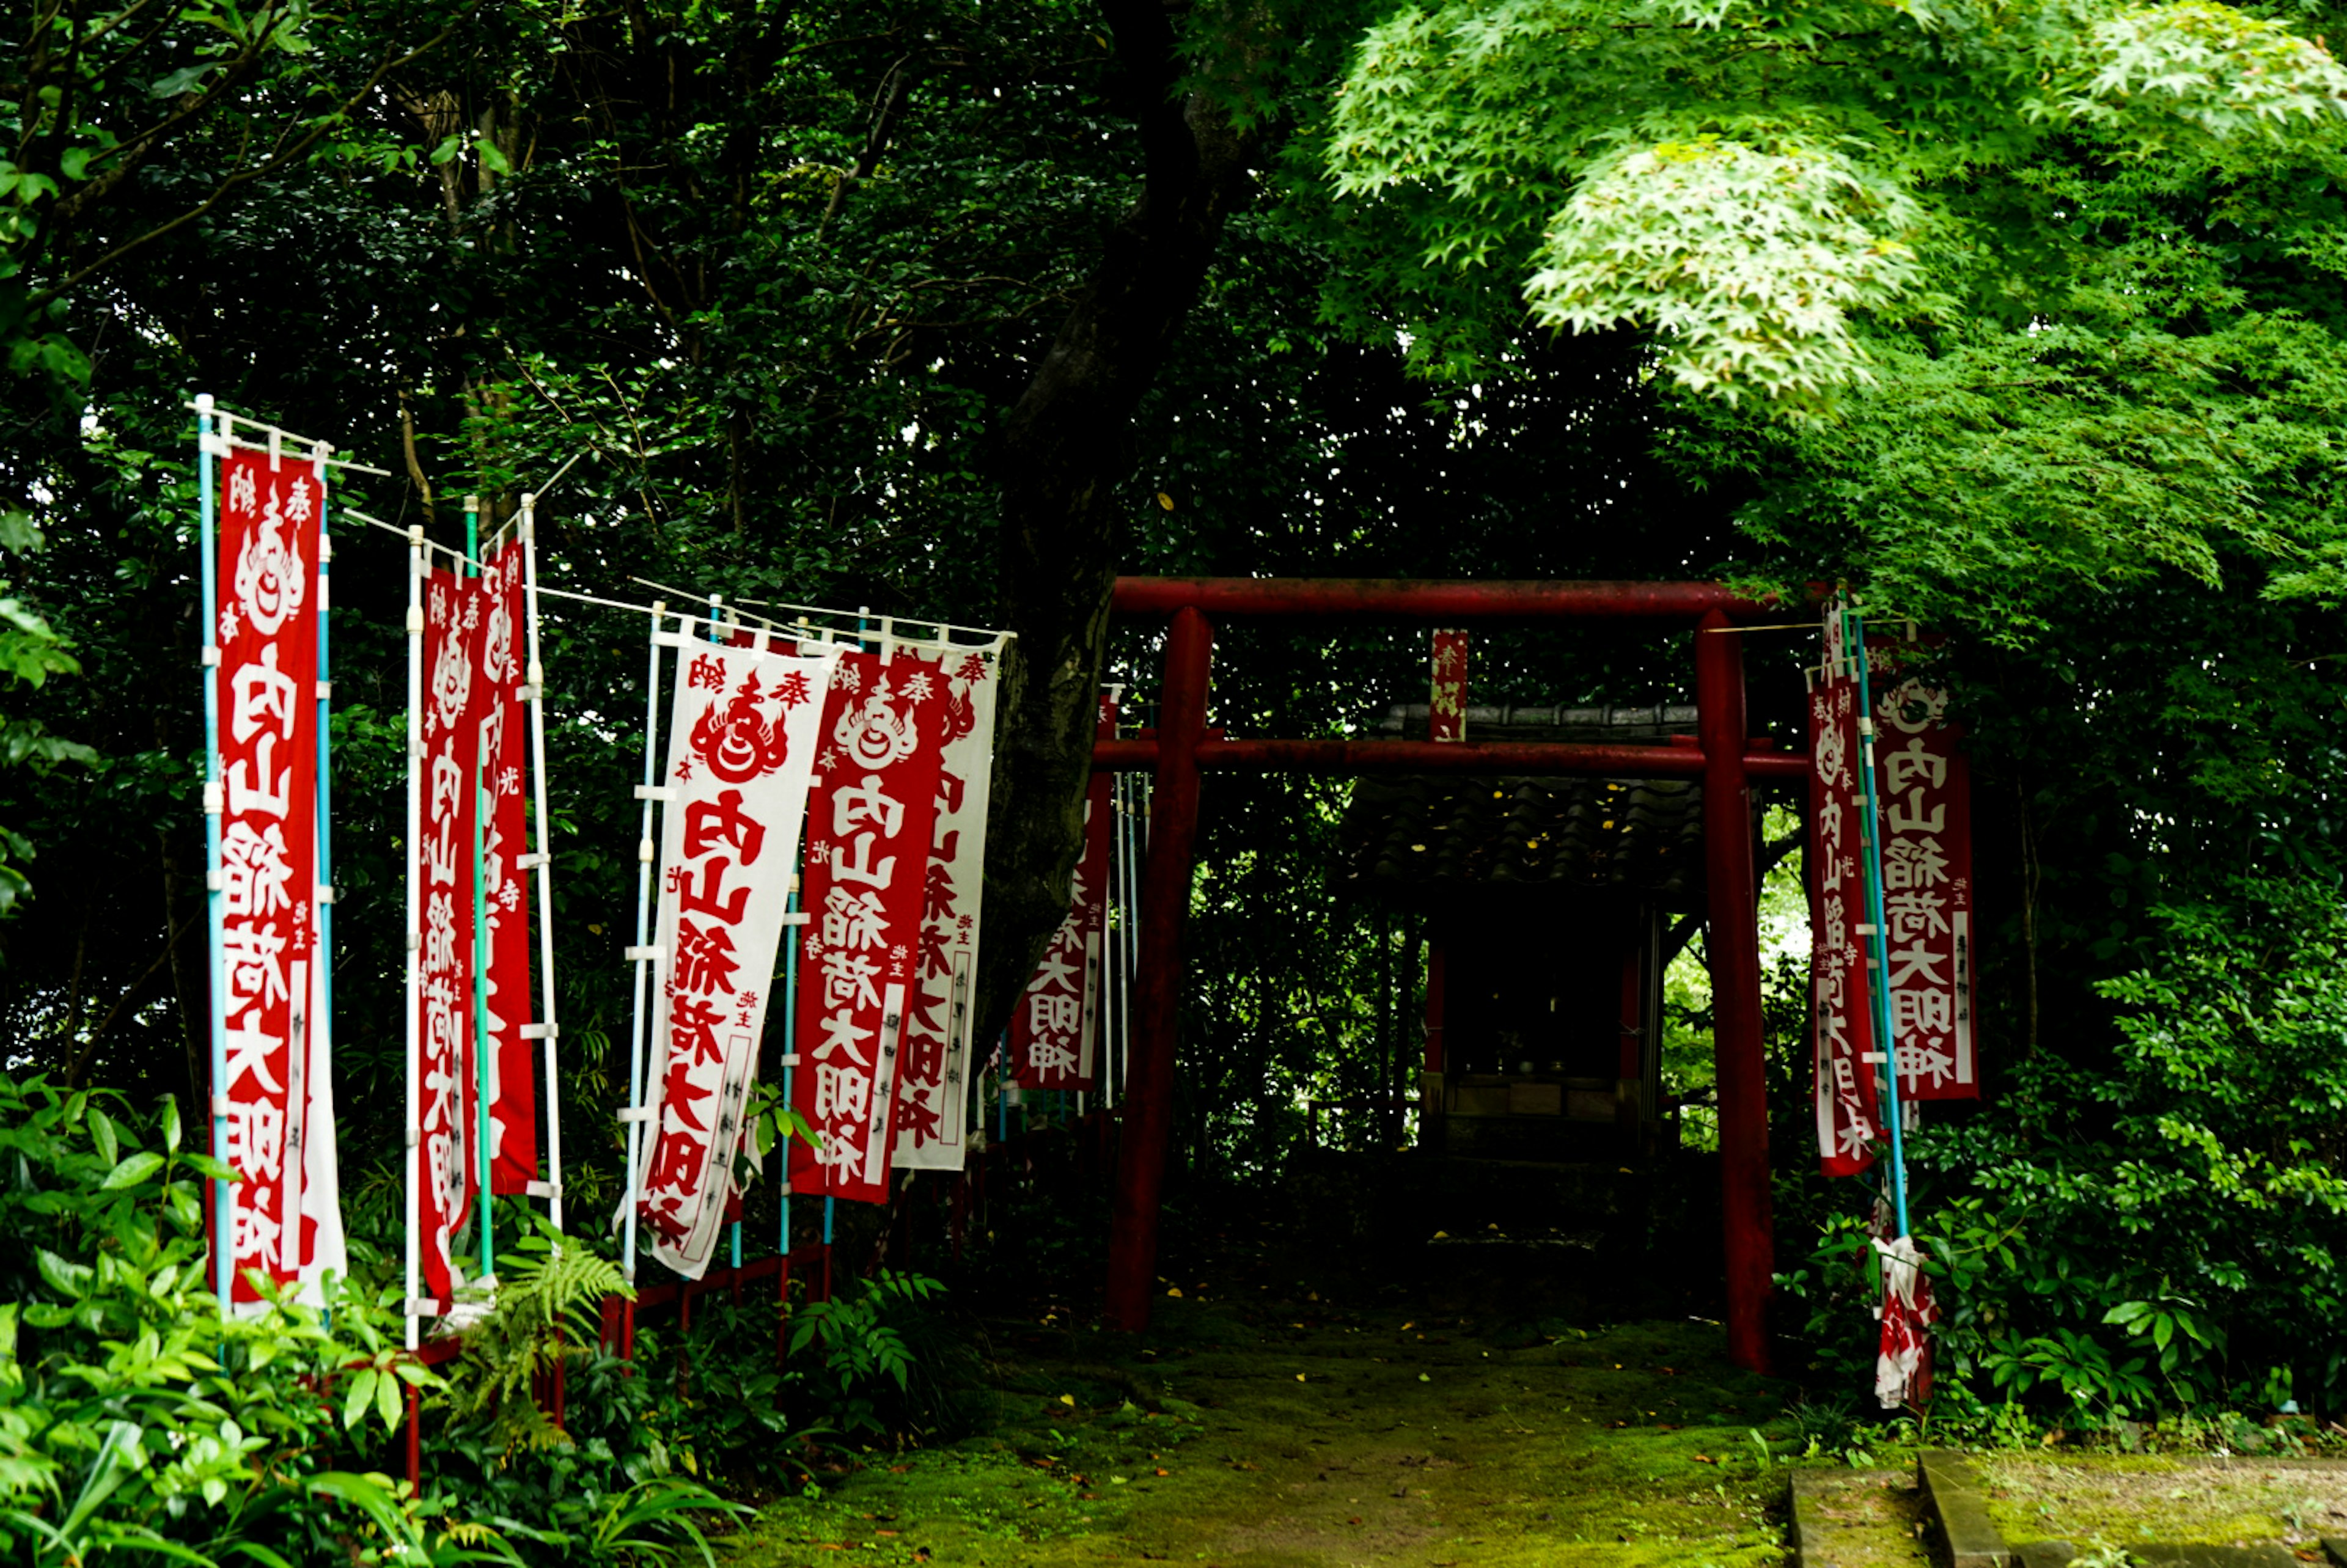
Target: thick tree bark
1064,449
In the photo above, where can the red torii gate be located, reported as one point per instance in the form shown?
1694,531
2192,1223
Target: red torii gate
1182,750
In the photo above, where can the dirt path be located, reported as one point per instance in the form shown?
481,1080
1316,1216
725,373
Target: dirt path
1287,1434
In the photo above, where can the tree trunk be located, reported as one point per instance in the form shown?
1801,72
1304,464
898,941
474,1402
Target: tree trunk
1064,449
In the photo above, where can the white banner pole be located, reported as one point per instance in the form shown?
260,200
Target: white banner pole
717,635
642,953
321,1175
414,1304
208,447
542,860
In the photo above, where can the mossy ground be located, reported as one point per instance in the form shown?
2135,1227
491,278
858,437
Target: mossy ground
1302,1436
1366,1399
2165,1499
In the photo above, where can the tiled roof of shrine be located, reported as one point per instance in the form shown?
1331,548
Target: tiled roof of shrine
1640,837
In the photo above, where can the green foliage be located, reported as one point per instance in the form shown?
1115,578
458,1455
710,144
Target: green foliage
2099,446
735,1403
605,1489
1753,182
864,1376
548,1295
2186,1245
133,1417
30,652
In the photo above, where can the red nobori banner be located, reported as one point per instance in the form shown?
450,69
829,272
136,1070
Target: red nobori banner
1055,1031
449,1118
870,822
1842,1030
268,768
743,740
1925,788
501,747
932,1077
1447,707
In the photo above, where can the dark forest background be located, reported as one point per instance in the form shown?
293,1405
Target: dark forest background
797,283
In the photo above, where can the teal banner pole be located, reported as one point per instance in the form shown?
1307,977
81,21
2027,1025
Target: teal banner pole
209,444
322,1027
483,1077
1877,940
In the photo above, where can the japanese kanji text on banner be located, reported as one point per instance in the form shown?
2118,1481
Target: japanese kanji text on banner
1841,1021
449,1073
932,1078
500,748
742,740
1927,880
1054,1031
284,1218
870,824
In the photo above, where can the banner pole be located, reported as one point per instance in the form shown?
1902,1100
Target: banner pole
215,803
484,1058
322,1027
791,937
544,859
716,604
642,953
789,1048
1854,644
413,1309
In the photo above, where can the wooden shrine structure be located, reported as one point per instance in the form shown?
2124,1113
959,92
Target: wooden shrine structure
1723,758
1546,903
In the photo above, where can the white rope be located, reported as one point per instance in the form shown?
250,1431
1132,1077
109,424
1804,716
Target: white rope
993,637
228,422
461,559
790,629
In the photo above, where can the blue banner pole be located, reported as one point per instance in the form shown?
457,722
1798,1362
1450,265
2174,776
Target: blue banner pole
790,1049
483,1075
1878,939
209,446
322,1027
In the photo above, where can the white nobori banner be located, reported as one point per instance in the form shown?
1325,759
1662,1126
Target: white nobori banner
933,1081
741,743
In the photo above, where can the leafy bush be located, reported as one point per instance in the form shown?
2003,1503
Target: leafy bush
133,1417
2180,1242
600,1487
886,1367
733,1403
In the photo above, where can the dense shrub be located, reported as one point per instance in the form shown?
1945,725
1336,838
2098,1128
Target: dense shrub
2157,1225
132,1415
135,1418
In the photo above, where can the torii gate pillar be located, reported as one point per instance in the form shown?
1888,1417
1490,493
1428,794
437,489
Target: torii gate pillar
1164,901
1734,950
